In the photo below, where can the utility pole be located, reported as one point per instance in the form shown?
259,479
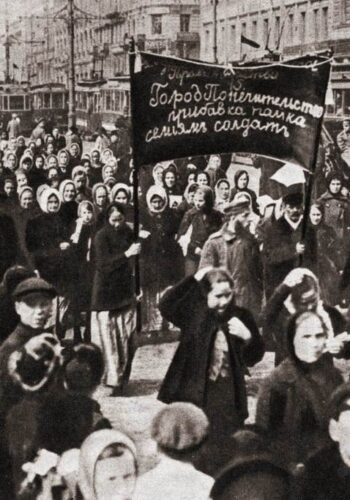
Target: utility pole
71,68
215,30
7,45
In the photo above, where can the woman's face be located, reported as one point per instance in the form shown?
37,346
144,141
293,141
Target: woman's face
95,157
115,477
27,165
121,197
39,142
50,148
315,216
107,155
219,296
191,179
52,204
74,150
242,182
9,189
39,162
21,142
63,159
27,200
53,162
224,190
310,340
170,179
215,162
116,218
158,174
202,180
335,186
101,197
198,200
190,198
86,215
22,180
11,162
69,192
108,172
32,146
157,203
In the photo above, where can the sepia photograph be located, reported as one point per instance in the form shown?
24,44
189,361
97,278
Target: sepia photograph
174,249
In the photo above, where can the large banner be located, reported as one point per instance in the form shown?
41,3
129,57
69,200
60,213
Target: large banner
182,108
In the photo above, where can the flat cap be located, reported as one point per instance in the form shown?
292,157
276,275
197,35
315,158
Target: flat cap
237,207
180,427
33,285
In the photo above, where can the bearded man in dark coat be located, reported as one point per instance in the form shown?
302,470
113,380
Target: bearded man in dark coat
218,340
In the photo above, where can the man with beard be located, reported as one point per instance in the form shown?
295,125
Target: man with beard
218,339
283,243
235,248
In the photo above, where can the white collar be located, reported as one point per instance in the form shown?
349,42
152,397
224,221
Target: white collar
294,225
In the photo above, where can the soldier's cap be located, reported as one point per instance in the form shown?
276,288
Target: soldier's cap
237,207
33,285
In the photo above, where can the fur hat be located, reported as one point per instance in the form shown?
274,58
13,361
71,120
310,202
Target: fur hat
83,368
180,427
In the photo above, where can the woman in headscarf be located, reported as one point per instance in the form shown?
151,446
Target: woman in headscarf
196,226
293,401
10,191
79,177
69,207
10,161
203,179
21,179
107,154
100,198
96,165
121,193
161,256
47,240
187,202
75,155
35,170
53,177
157,174
107,466
214,170
21,147
222,194
113,301
82,236
170,181
51,161
241,182
63,157
102,141
328,259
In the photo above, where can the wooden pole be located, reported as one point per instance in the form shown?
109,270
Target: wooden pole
135,185
71,68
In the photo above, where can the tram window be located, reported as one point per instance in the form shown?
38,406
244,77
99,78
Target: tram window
6,102
0,102
117,101
16,102
27,102
338,100
47,101
108,100
57,100
346,102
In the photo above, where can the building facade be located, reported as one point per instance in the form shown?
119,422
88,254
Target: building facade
102,30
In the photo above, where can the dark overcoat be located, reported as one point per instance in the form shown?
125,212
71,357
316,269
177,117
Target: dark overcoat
113,279
186,380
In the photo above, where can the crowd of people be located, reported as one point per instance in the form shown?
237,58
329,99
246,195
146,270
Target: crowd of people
231,270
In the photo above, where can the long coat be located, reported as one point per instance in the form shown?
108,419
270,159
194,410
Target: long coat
279,251
186,380
239,254
161,254
113,280
9,247
293,406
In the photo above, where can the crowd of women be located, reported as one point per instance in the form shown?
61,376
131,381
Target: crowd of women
235,272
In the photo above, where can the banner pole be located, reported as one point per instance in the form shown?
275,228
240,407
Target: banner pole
135,186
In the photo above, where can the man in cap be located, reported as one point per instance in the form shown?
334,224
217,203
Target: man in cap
235,248
327,473
283,243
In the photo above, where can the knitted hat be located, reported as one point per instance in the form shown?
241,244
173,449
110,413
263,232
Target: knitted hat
180,427
237,207
33,285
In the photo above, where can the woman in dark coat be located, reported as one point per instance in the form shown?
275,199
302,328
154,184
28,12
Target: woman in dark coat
100,201
161,255
113,301
69,207
196,227
122,193
218,340
293,401
241,182
170,181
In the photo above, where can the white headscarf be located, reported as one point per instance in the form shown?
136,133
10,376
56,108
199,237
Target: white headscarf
44,198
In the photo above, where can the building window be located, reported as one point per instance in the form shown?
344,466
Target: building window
254,30
156,24
265,32
207,42
277,31
185,23
324,23
316,24
302,26
233,38
290,32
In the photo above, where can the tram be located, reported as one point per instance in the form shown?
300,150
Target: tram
15,99
101,102
50,101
